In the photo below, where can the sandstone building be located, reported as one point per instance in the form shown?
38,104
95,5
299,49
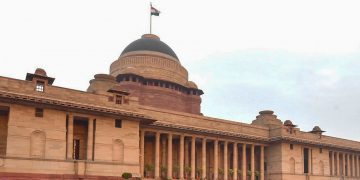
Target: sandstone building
145,118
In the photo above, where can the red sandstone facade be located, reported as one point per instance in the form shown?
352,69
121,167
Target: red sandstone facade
145,118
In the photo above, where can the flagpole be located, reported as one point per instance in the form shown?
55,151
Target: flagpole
150,18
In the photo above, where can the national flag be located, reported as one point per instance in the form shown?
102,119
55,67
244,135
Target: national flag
154,11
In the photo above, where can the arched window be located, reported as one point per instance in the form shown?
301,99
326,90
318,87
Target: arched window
118,150
292,166
37,144
321,168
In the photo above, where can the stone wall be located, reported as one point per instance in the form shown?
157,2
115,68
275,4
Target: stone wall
38,144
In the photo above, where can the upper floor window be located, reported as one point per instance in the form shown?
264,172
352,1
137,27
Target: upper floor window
291,146
40,86
118,99
118,123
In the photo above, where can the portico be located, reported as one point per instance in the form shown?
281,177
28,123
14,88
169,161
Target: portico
183,155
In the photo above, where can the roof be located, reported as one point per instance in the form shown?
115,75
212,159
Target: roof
150,42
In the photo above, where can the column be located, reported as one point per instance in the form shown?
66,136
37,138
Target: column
348,165
343,170
337,164
142,152
226,171
203,157
310,161
169,157
157,155
186,153
235,160
193,157
262,158
163,152
243,165
358,158
252,162
90,139
216,159
358,167
181,157
332,163
70,137
353,165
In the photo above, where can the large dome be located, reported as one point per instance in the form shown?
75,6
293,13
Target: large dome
150,58
150,42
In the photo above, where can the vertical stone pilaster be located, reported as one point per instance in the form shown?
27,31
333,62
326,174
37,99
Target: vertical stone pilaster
70,137
216,159
157,155
169,157
142,152
262,157
193,168
252,162
89,153
203,158
226,171
243,164
181,157
235,160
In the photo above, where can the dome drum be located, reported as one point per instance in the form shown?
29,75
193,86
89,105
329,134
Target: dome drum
153,67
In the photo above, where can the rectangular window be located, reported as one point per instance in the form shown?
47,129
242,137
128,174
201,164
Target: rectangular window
118,99
111,98
118,123
306,160
40,86
291,146
39,112
320,150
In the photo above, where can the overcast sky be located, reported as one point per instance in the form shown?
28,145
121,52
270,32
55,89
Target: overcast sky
300,58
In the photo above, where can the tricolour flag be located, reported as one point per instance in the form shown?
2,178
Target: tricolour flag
154,11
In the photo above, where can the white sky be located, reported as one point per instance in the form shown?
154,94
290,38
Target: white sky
73,40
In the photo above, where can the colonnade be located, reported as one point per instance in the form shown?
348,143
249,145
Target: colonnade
344,164
184,156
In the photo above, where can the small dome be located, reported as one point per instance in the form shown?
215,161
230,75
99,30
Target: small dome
150,42
266,112
317,129
288,123
191,84
41,72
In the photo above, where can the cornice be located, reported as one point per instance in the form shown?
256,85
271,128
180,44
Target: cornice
70,106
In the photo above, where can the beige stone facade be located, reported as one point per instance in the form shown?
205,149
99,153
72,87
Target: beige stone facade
145,118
